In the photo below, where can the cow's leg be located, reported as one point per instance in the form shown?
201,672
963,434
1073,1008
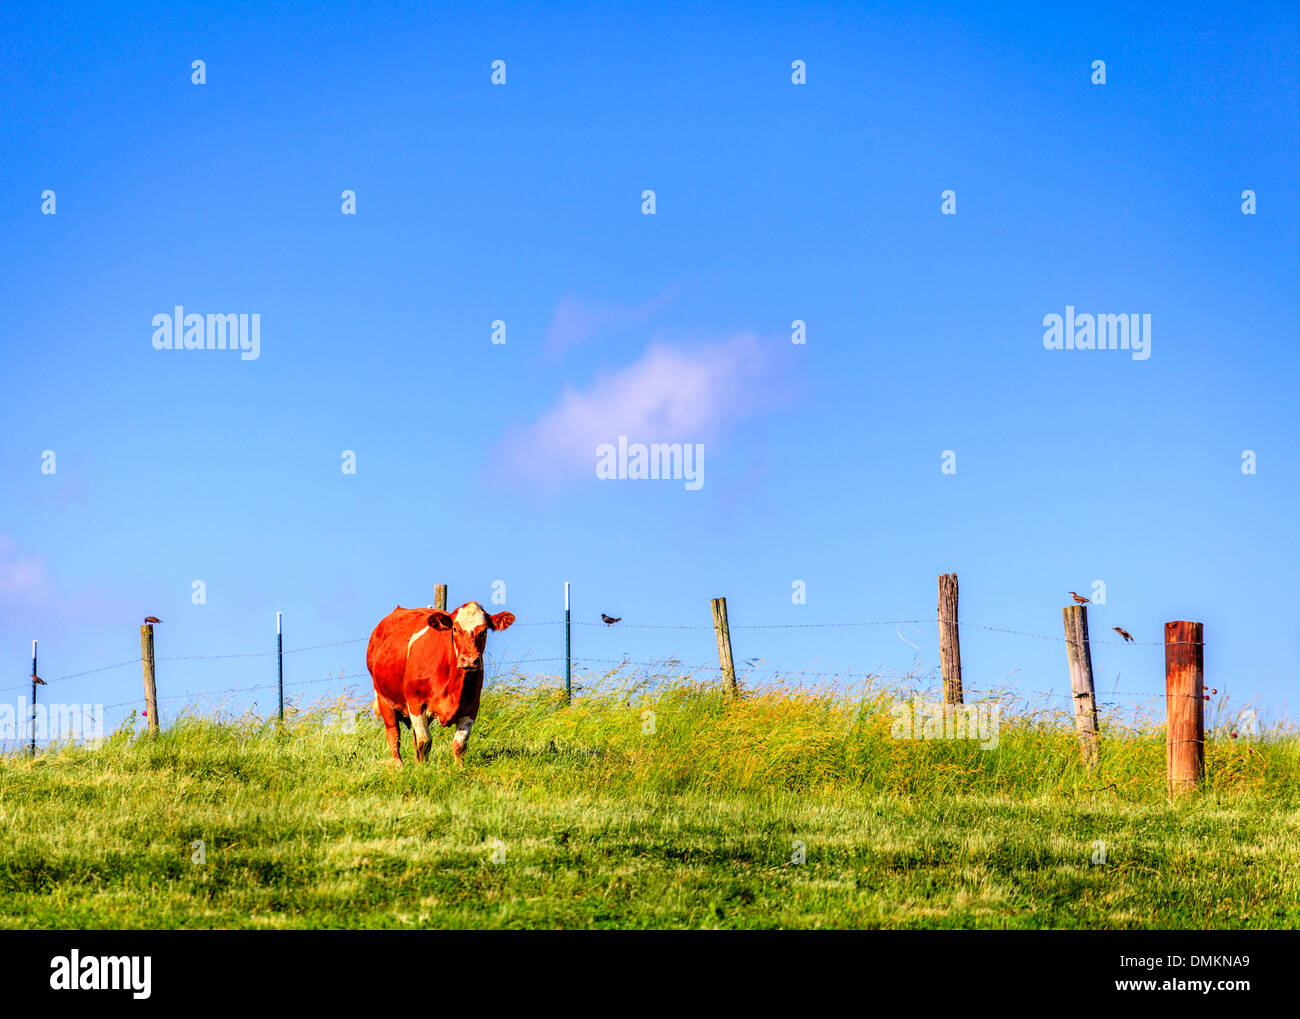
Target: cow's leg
461,738
420,727
394,734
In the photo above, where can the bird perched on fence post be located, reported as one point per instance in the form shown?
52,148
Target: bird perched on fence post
1079,599
1128,637
610,620
152,619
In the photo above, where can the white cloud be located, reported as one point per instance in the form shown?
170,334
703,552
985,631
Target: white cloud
671,394
23,580
576,321
33,602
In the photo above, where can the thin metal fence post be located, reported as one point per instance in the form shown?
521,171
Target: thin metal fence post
33,698
279,654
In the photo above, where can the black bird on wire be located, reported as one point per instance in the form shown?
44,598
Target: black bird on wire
610,620
38,681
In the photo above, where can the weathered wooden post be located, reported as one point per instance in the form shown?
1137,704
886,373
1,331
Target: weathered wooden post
1078,652
150,689
949,640
440,597
723,632
1184,705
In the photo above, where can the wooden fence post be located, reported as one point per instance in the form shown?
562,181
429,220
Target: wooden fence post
949,640
723,632
440,597
1184,705
150,690
1078,652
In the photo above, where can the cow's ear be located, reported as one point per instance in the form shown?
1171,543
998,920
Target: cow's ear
439,620
502,620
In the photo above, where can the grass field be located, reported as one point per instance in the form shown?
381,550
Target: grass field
579,817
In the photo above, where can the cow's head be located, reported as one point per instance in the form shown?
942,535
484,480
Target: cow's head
469,625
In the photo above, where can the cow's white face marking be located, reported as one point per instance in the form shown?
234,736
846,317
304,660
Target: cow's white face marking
462,731
414,638
471,616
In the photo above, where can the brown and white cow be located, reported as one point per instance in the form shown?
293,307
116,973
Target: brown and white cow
428,665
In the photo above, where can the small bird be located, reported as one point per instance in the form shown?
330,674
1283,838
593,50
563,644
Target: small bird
610,620
1123,632
152,619
1079,599
38,681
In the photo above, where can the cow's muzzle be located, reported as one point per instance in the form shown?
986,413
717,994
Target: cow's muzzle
469,663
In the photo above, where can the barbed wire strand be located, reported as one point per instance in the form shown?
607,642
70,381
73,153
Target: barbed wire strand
499,667
640,626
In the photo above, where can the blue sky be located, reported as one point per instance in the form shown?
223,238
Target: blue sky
774,202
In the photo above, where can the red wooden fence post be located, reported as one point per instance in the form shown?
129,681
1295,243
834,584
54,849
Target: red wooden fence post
1184,705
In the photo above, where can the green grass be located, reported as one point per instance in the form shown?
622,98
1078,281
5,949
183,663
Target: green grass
604,825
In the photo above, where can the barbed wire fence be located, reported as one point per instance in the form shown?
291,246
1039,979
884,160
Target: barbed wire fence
703,666
668,666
